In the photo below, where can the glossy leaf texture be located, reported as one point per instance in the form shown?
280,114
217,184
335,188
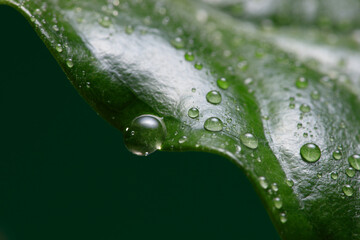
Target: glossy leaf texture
203,80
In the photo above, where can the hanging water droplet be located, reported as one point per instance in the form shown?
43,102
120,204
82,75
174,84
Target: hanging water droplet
283,218
222,83
177,43
354,161
334,175
290,182
350,172
249,140
59,48
193,112
315,95
337,155
198,66
302,83
213,124
277,202
213,97
69,63
263,182
305,108
189,56
310,152
145,135
348,190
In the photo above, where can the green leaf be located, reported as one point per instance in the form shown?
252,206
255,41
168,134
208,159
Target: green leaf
136,58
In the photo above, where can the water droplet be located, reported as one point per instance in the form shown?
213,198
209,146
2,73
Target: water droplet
274,187
302,83
213,97
59,48
319,175
305,108
193,90
56,28
291,105
283,218
315,95
334,175
337,155
263,182
354,161
289,182
213,124
249,140
350,172
145,135
305,135
189,56
222,83
310,152
69,63
129,29
198,66
105,22
348,190
299,125
277,202
178,43
32,19
183,139
193,112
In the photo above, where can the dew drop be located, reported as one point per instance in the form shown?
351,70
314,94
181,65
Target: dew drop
354,161
213,97
350,172
69,63
59,48
348,190
337,155
222,83
310,152
315,95
277,202
263,183
177,43
302,83
198,66
105,22
183,139
56,28
305,108
334,175
290,182
299,125
193,90
189,56
274,187
319,175
283,218
291,105
249,140
145,135
129,29
213,124
193,112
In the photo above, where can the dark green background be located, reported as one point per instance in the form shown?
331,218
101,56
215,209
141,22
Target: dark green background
65,173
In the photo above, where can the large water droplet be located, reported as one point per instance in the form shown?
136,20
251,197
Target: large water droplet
213,97
263,183
69,63
301,83
348,190
249,140
213,124
277,202
310,152
145,135
193,112
59,48
354,161
337,155
222,83
350,172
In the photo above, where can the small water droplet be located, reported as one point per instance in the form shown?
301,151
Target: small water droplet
145,135
348,190
299,125
290,182
291,105
213,124
319,175
283,218
105,22
310,152
350,172
198,66
249,140
305,135
277,202
222,83
305,108
302,83
334,175
189,56
183,139
59,48
263,183
337,155
315,95
177,43
193,90
274,187
69,63
55,27
213,97
129,29
193,112
354,161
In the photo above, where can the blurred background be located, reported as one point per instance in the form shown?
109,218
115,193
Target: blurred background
65,173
